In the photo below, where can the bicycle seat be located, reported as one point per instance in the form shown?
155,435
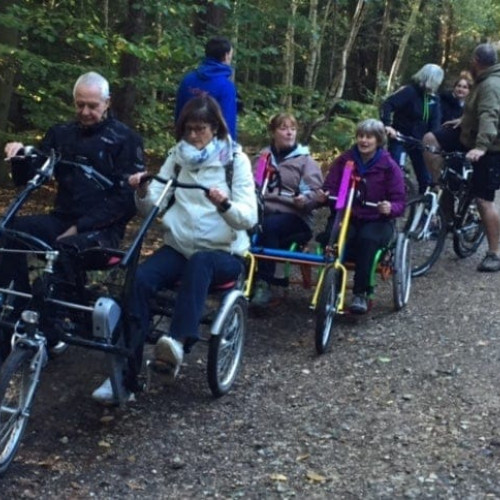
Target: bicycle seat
99,258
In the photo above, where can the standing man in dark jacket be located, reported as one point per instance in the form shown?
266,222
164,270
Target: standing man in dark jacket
213,77
414,110
84,214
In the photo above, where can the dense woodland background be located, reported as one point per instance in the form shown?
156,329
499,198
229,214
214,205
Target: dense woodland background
330,61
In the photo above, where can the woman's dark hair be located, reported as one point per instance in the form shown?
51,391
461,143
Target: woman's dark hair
202,109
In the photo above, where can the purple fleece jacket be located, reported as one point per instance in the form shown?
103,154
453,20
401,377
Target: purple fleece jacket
384,182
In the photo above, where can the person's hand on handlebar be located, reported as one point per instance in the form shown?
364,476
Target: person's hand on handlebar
391,132
136,181
384,207
474,154
71,231
218,197
300,201
12,148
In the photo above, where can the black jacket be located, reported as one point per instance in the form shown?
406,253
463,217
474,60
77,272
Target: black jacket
113,150
451,107
411,111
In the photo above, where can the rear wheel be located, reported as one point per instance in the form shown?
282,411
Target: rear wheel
18,383
427,232
326,310
225,350
401,279
469,230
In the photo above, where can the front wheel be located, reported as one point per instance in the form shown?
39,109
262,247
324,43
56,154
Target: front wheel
469,230
401,279
18,383
326,310
426,229
225,350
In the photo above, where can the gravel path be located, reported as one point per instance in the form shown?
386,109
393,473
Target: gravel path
406,405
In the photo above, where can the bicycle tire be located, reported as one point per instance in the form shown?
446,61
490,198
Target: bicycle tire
18,384
326,310
225,350
469,232
427,243
401,278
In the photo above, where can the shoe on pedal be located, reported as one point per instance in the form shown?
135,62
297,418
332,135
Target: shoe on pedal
168,356
359,304
104,394
490,263
263,294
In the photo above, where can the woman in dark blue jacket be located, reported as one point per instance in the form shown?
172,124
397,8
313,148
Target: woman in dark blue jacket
414,110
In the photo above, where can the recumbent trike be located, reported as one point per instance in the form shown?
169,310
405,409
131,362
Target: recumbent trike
89,313
329,295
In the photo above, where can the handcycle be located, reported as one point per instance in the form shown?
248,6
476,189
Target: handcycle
329,295
447,207
89,314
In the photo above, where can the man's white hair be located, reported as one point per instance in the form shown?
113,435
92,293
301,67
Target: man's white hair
93,79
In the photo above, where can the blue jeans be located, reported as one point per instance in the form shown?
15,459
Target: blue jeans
280,230
397,148
167,268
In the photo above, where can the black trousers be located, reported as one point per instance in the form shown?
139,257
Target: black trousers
364,239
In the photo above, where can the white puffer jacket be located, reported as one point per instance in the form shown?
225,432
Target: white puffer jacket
193,223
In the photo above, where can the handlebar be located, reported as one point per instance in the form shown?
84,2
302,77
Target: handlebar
47,169
169,183
412,141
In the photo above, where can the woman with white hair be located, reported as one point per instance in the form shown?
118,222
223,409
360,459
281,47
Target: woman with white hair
414,110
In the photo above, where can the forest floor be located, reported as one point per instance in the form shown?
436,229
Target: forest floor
406,405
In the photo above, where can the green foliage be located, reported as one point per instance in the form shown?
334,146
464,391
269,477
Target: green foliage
60,40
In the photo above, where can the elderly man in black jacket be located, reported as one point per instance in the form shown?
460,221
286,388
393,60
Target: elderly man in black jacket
84,215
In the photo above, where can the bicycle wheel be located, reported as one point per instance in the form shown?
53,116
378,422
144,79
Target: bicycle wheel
427,233
469,230
18,383
225,350
401,279
326,310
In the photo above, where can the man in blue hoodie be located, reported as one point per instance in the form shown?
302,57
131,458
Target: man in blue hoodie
212,77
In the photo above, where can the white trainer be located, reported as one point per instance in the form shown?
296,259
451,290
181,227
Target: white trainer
104,394
169,354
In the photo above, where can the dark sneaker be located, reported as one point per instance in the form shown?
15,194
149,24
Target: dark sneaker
359,304
490,263
262,295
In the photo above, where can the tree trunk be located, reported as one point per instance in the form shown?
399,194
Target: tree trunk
315,45
125,97
8,37
336,89
289,58
383,46
410,26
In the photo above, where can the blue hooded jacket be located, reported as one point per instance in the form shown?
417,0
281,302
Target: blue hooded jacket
212,77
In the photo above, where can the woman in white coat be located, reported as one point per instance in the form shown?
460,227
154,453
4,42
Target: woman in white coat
205,237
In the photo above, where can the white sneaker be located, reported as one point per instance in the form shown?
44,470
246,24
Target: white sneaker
169,354
104,394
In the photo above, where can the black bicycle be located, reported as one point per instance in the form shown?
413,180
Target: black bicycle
448,207
87,313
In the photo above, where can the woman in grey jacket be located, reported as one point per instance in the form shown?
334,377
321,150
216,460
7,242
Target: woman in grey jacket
289,204
205,240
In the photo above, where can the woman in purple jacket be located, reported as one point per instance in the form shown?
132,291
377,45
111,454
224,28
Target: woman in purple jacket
371,227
